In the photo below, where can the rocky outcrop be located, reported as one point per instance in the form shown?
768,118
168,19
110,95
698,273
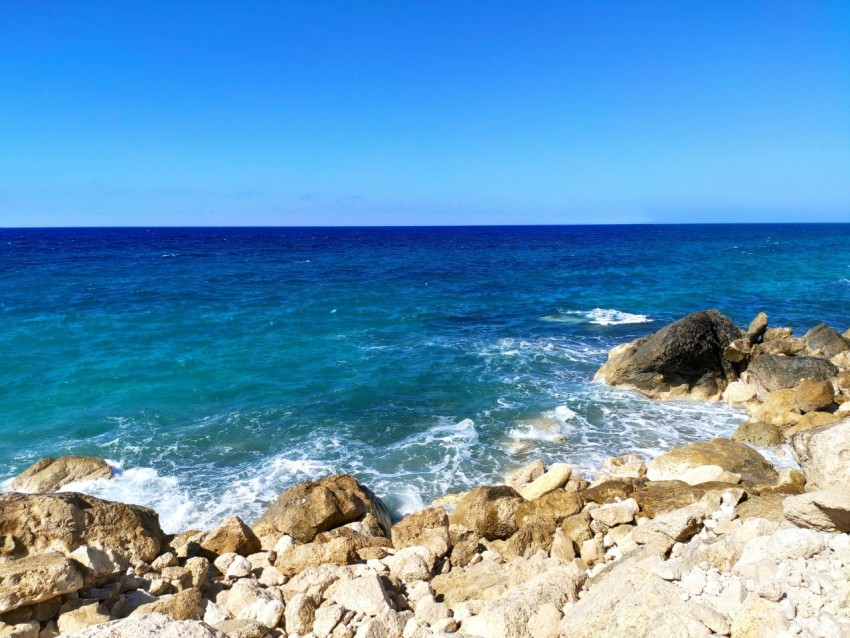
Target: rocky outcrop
310,508
49,474
34,579
681,361
39,523
775,372
824,454
716,460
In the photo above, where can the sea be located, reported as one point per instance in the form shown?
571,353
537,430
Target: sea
216,367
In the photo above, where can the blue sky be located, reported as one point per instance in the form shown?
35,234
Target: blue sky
366,112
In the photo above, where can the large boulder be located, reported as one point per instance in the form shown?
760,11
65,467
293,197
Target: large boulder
231,536
826,510
774,372
689,463
32,579
489,511
428,528
311,508
151,626
40,523
824,454
823,341
681,361
813,395
48,474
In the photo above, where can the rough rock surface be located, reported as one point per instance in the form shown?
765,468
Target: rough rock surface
682,360
44,522
151,626
731,456
823,341
488,511
32,579
49,474
310,508
231,536
826,510
824,454
428,528
775,372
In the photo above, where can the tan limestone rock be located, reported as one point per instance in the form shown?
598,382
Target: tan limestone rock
731,456
48,474
555,478
490,512
428,527
811,395
232,535
36,578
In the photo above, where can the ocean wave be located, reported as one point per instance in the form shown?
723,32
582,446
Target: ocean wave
598,316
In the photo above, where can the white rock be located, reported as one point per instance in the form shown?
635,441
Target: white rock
247,601
240,567
365,594
556,477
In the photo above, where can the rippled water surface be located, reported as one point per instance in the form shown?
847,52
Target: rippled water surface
216,367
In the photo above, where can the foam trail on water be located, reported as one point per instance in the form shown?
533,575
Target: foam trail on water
598,316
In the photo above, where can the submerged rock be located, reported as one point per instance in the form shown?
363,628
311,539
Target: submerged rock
46,522
681,361
311,508
49,474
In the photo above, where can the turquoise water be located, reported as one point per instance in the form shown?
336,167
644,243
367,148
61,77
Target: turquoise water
216,367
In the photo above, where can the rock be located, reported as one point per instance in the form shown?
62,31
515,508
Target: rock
487,580
556,506
50,474
338,551
524,475
738,351
765,506
657,497
96,563
535,534
511,614
786,544
627,465
44,522
809,421
679,525
775,372
578,527
811,395
758,433
682,360
184,605
490,512
627,602
611,490
239,567
758,618
76,615
365,594
823,341
826,510
823,454
778,409
36,578
28,629
788,347
739,392
772,334
327,617
614,514
562,547
411,563
731,456
555,478
428,528
150,626
310,508
231,536
248,601
237,628
300,614
757,328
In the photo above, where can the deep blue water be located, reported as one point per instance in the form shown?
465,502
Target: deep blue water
217,367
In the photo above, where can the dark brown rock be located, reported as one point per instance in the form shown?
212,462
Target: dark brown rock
682,360
658,497
823,341
774,372
612,490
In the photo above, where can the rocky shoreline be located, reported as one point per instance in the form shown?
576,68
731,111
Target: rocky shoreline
706,539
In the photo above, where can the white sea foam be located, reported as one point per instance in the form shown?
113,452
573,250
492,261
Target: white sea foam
609,317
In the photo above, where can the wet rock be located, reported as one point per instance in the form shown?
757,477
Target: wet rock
682,360
42,522
48,474
627,465
826,510
775,372
811,395
611,490
824,454
490,512
231,536
36,578
310,508
731,456
524,475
